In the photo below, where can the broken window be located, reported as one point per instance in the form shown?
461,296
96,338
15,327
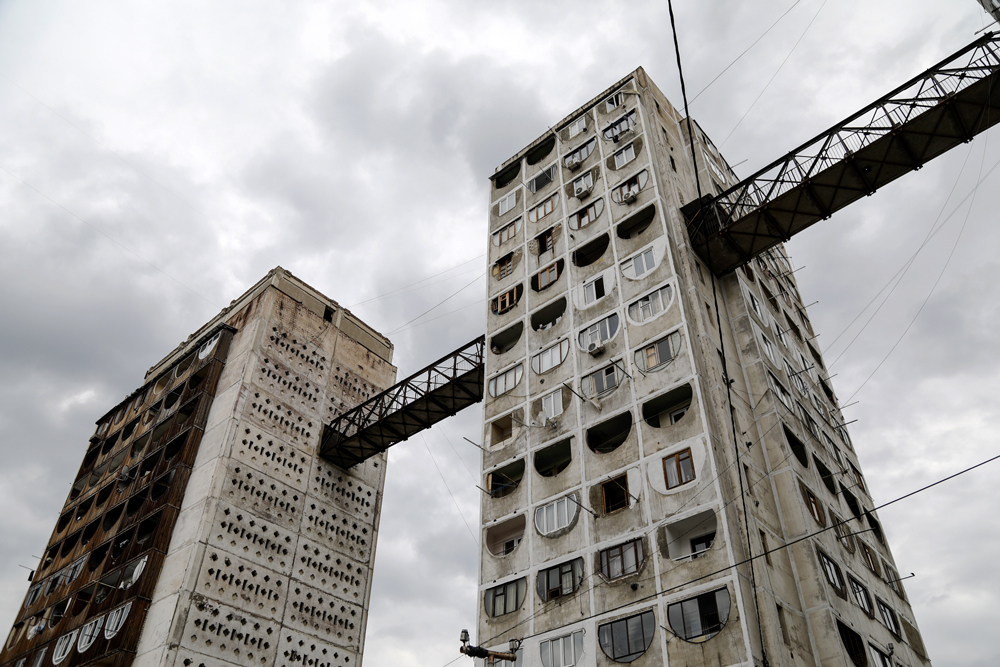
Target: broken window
506,381
797,447
504,537
636,224
614,102
502,481
599,332
615,494
852,502
843,532
566,651
624,156
547,276
560,580
543,209
505,598
506,233
600,382
501,431
832,571
543,178
620,126
506,339
609,434
622,560
97,556
548,316
639,265
825,475
853,644
593,290
506,301
555,515
586,215
700,618
552,460
161,485
869,557
627,639
507,203
627,192
861,596
592,251
507,176
651,305
147,528
678,469
132,572
656,354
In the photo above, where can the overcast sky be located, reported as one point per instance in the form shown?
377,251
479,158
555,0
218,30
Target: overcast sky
156,159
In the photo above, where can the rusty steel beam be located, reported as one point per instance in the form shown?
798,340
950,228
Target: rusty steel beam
947,105
452,383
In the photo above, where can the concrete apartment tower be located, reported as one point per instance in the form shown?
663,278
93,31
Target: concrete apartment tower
202,528
621,510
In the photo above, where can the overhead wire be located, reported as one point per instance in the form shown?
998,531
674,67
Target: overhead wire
445,482
440,303
416,285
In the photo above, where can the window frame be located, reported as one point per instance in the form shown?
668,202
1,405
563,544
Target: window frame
571,508
704,633
503,235
622,481
677,460
598,285
583,183
624,156
595,332
502,202
861,596
889,618
576,219
834,576
603,381
577,126
544,208
672,343
560,347
518,372
490,597
117,621
573,640
645,257
551,275
552,397
634,547
607,634
573,569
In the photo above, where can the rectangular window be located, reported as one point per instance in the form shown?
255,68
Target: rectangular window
763,547
505,598
561,651
615,494
543,209
624,156
888,617
783,625
603,380
577,126
768,347
879,659
622,560
505,302
593,291
614,102
583,218
661,351
780,391
507,203
868,556
506,233
754,304
832,571
547,276
583,184
546,240
640,264
701,543
542,179
552,404
552,356
678,469
505,267
560,580
861,596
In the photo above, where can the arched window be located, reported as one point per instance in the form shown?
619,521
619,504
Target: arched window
506,381
550,357
116,619
626,639
555,515
650,305
560,580
505,598
700,618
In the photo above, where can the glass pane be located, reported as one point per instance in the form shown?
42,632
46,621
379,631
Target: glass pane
635,642
629,559
619,639
550,518
544,649
670,466
567,651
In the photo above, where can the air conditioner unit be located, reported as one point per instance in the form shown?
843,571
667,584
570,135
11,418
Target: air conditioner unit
583,193
572,164
595,349
629,197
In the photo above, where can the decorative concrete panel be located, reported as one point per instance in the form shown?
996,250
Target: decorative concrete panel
271,455
241,533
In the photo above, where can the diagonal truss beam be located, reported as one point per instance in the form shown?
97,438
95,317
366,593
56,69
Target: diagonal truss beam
430,395
947,105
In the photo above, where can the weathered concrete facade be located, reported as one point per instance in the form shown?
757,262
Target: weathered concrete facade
211,532
622,511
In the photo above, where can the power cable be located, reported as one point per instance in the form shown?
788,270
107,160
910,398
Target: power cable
440,303
416,285
764,34
475,479
108,237
768,84
448,488
450,312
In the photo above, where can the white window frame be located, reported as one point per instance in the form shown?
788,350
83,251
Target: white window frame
89,634
754,304
578,126
602,382
577,220
116,620
583,184
779,389
646,259
507,232
571,644
563,512
614,101
600,332
650,306
673,341
624,156
550,357
507,203
507,381
549,171
590,291
768,348
552,404
581,153
63,647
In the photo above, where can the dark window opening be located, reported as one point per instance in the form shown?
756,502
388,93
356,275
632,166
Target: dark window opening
700,618
83,508
592,251
507,175
825,475
120,544
161,485
69,544
97,556
503,481
797,446
109,444
876,528
548,316
83,598
542,179
89,531
560,580
147,528
139,446
198,379
135,503
506,339
129,429
541,150
507,300
504,537
637,224
64,521
669,408
112,516
853,645
552,460
852,502
328,314
607,436
626,639
175,446
104,494
615,494
501,431
172,398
